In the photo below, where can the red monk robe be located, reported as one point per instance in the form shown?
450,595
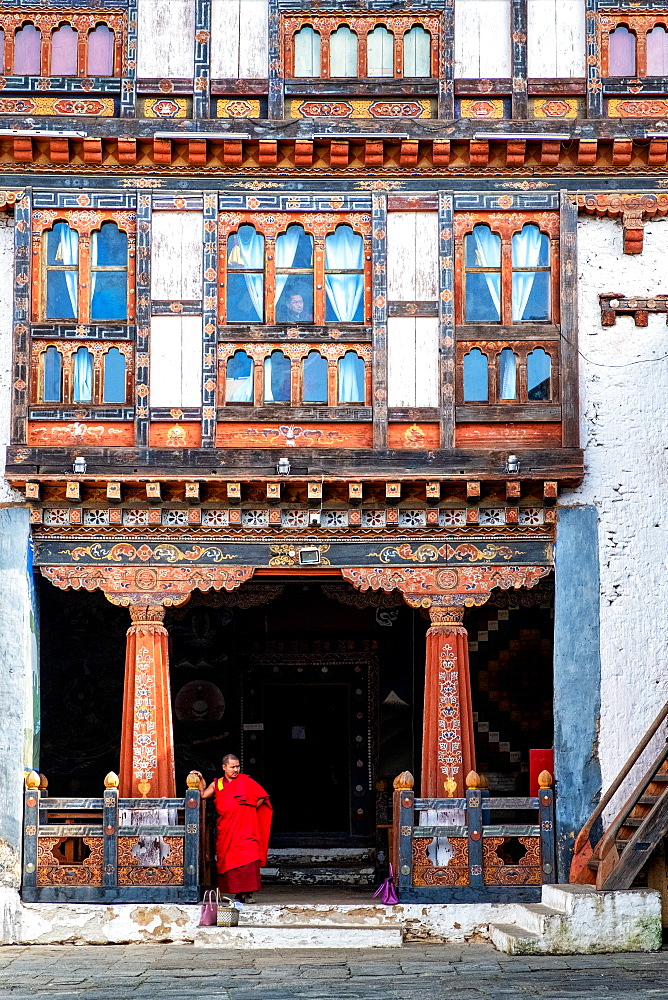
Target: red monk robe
242,837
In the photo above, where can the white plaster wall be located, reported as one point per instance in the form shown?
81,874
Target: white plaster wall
624,430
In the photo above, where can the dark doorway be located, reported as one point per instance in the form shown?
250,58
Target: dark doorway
306,727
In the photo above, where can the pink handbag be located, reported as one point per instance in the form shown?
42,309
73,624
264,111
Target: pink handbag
209,912
387,891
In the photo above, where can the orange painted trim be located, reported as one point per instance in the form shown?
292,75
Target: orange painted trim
79,432
306,435
516,435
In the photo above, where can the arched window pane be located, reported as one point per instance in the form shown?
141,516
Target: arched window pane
507,374
294,276
239,381
114,376
380,52
483,276
27,51
83,376
417,52
622,52
314,389
52,381
344,276
539,372
245,276
64,51
476,386
351,378
657,51
307,52
343,52
531,288
276,378
62,276
100,51
109,278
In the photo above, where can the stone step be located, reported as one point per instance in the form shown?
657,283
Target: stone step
319,875
514,940
309,935
533,917
366,913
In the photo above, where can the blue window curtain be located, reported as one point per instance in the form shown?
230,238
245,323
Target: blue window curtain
531,288
344,251
539,375
114,376
245,278
83,376
307,52
52,379
314,378
507,374
483,276
294,290
351,378
109,275
417,52
239,380
476,382
380,52
62,280
343,52
277,378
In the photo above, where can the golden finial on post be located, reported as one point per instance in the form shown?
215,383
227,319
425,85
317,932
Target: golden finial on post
484,783
450,787
404,782
32,781
43,782
473,780
545,779
193,780
111,781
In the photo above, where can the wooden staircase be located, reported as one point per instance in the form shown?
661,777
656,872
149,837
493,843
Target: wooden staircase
636,830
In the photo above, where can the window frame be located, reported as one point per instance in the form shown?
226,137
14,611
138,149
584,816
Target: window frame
361,25
83,23
85,223
639,25
67,350
296,354
316,224
492,350
506,226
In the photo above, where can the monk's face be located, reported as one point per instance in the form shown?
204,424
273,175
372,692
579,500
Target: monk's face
231,769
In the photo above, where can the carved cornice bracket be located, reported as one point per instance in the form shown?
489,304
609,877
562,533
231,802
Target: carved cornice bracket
633,209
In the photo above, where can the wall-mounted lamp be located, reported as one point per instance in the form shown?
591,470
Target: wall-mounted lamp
79,465
313,518
512,465
309,556
283,467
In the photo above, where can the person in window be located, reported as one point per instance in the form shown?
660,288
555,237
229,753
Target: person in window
295,310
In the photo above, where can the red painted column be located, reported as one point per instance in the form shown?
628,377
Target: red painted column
448,749
147,742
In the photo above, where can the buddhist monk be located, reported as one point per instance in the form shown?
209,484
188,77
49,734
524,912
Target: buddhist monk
243,821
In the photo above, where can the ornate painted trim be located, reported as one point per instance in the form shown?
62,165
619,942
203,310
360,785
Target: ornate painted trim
147,585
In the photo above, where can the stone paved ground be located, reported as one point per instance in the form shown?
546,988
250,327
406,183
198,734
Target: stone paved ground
414,972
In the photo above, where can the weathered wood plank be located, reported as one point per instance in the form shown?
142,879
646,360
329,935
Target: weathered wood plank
191,360
165,360
253,40
556,38
426,255
225,39
401,362
426,362
176,256
166,38
482,39
401,255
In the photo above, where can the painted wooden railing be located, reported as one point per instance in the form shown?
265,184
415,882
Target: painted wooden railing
85,850
472,859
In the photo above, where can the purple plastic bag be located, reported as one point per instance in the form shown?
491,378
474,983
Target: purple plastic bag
209,912
387,891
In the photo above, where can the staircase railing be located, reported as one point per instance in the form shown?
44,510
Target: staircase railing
584,850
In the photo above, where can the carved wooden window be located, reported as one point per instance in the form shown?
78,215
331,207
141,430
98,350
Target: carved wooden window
508,268
87,267
297,269
48,44
494,372
294,374
340,46
76,372
633,46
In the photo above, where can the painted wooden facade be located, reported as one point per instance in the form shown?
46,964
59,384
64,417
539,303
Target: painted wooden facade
299,287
